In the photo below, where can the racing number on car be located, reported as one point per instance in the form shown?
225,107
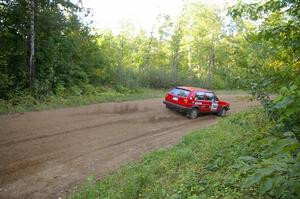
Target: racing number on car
214,105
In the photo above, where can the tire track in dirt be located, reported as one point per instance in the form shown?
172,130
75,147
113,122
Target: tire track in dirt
46,153
60,133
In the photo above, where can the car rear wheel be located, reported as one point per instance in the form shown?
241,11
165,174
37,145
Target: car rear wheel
193,114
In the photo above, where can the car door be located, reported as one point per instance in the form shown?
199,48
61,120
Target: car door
215,104
209,101
202,102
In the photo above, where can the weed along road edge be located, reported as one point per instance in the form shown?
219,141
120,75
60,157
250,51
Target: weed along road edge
43,154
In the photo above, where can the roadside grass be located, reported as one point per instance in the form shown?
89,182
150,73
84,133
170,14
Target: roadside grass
202,165
25,103
28,103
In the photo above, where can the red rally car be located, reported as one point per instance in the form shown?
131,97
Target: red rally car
192,101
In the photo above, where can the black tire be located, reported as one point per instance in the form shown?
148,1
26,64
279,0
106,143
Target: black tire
223,112
193,114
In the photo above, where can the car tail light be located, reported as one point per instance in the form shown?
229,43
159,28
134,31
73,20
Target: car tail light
168,96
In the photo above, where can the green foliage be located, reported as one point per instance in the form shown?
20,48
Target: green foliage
65,50
205,164
276,169
68,56
286,110
275,43
5,84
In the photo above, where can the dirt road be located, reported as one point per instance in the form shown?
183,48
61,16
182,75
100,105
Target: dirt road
43,154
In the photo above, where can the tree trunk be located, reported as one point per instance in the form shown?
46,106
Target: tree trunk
176,44
120,55
120,62
176,60
211,61
148,51
189,57
31,53
145,67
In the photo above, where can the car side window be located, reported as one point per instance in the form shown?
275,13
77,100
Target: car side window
216,98
200,96
209,96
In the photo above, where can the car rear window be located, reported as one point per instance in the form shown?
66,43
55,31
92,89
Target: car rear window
180,92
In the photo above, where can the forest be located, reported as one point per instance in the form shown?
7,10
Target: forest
70,55
48,51
205,46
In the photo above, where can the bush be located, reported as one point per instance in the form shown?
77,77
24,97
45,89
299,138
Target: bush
25,99
6,83
74,90
276,168
88,89
60,90
122,89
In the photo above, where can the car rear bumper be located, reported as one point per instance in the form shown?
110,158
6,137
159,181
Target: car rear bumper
177,107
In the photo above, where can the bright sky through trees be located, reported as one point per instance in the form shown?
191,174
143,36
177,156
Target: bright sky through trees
141,13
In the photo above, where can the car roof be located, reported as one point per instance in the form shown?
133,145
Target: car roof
193,88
